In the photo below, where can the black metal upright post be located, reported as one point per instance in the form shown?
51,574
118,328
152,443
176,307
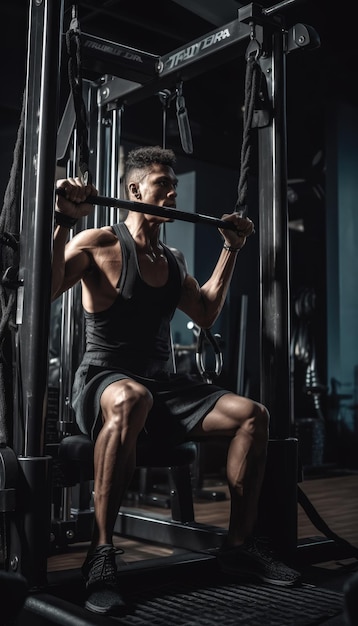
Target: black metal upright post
30,536
273,235
279,496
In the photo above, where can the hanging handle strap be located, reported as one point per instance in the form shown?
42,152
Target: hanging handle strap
183,122
73,42
205,338
165,97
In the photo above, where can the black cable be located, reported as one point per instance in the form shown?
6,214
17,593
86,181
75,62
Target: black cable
73,41
252,82
9,224
321,525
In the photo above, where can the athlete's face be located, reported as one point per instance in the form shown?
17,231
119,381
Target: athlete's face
158,186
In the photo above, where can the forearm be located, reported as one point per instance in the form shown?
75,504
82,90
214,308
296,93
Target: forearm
58,260
214,292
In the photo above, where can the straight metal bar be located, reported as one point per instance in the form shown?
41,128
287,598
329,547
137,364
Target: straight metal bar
273,238
194,57
67,334
160,211
240,384
279,6
109,57
33,311
30,533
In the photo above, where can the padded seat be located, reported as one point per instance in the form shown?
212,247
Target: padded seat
78,449
75,457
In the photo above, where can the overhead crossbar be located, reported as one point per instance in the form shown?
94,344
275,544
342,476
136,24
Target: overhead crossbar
102,56
191,60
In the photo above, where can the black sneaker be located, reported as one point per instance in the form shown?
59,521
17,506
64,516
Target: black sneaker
255,558
100,573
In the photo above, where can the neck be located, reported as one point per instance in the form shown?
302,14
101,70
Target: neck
146,236
153,253
143,231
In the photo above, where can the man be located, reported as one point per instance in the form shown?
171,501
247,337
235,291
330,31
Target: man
131,285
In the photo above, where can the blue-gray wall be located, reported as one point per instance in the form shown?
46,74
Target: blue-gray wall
342,267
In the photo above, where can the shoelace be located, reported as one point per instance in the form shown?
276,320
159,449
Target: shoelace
263,548
102,565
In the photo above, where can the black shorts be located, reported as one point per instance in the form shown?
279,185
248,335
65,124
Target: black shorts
180,401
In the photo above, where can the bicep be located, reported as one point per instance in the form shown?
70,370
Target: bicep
77,263
191,300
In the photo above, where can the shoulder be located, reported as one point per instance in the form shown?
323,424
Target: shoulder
179,256
94,238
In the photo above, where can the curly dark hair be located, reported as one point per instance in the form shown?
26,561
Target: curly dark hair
141,158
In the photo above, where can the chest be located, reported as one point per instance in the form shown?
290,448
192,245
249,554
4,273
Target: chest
109,263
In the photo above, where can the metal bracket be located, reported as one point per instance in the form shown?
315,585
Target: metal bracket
10,278
302,36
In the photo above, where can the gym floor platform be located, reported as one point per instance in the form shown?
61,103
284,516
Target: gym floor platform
165,585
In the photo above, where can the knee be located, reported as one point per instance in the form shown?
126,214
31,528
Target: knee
258,423
262,421
127,405
263,418
132,397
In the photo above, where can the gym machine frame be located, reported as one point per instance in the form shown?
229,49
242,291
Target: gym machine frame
28,535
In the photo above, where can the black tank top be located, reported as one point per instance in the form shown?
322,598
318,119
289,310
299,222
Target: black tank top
134,332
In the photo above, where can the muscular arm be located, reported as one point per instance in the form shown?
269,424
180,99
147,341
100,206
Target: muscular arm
204,304
70,260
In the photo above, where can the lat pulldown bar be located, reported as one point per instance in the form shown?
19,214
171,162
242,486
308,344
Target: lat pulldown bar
159,211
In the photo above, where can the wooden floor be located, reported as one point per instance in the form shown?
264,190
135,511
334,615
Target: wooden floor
334,497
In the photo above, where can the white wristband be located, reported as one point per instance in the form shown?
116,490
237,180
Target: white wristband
230,248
